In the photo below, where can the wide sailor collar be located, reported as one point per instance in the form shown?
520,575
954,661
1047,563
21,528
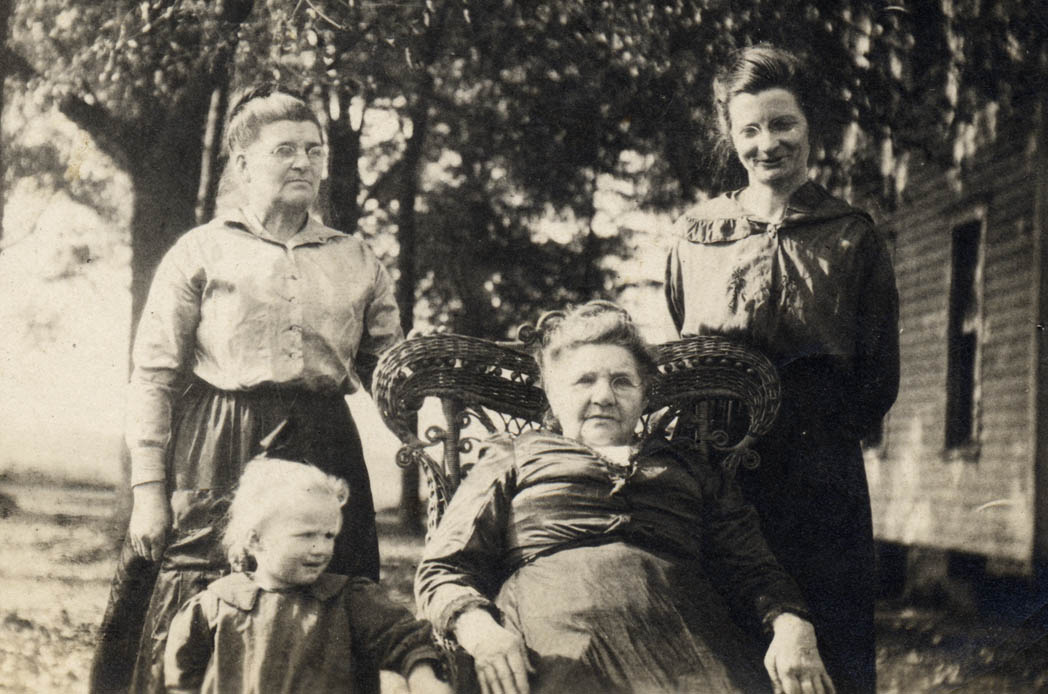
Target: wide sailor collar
312,231
723,219
240,590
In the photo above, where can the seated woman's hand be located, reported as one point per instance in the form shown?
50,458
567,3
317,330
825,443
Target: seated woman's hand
793,660
499,655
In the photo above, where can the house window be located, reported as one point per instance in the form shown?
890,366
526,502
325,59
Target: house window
965,319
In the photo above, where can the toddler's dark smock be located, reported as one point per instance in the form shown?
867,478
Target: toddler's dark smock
331,636
613,576
817,294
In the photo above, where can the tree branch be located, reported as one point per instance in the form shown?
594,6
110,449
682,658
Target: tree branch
111,133
320,13
16,65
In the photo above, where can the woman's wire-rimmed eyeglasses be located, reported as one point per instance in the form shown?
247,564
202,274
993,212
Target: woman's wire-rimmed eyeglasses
286,153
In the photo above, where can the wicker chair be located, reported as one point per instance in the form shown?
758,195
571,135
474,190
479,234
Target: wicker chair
718,393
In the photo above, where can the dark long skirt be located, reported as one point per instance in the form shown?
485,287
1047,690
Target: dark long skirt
216,432
814,504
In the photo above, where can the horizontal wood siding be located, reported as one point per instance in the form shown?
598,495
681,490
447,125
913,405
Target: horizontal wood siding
980,500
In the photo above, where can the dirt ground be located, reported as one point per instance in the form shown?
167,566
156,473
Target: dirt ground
57,555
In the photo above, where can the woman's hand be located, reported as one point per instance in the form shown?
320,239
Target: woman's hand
793,660
499,655
150,520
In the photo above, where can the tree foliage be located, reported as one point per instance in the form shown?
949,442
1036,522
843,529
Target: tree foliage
526,105
138,77
508,112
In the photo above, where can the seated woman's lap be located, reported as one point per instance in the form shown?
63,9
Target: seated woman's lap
628,620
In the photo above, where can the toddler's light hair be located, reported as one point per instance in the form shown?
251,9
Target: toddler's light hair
264,489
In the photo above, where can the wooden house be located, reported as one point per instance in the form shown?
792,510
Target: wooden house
962,464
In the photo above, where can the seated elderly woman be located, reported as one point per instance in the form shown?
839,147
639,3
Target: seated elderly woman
582,562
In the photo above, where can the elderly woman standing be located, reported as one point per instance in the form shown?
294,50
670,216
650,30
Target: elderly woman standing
255,321
804,276
593,564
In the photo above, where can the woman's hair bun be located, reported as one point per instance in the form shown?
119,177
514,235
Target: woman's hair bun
595,322
547,323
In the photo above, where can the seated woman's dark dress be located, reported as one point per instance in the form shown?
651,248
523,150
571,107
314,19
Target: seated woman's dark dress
618,578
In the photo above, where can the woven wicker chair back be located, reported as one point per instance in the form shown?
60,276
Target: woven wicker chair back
719,394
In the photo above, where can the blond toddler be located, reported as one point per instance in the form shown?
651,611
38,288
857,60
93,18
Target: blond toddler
279,623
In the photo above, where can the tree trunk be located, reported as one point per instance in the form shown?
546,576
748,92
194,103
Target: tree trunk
468,275
232,13
591,280
211,159
478,315
164,208
410,509
5,16
344,175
